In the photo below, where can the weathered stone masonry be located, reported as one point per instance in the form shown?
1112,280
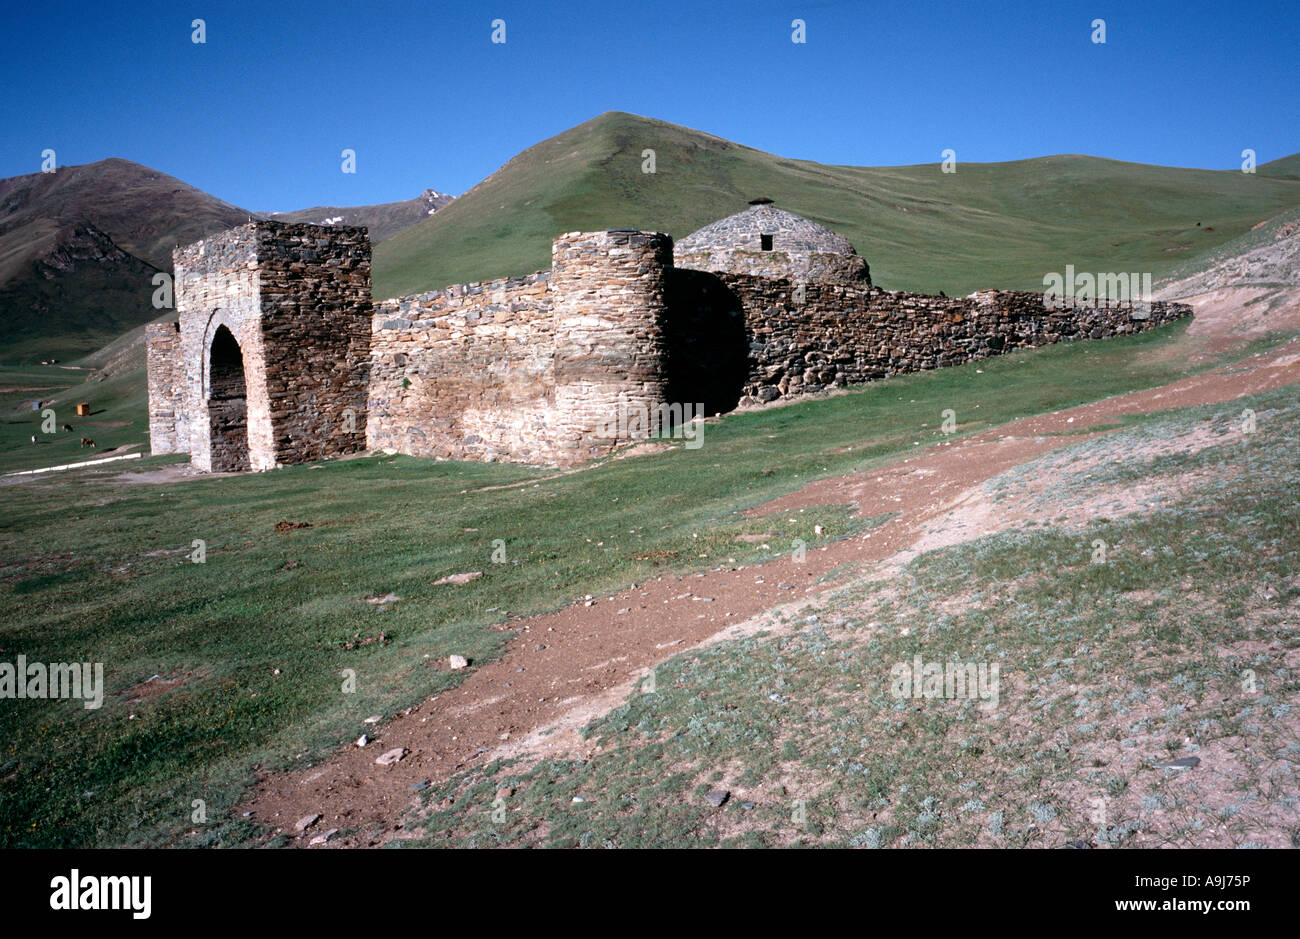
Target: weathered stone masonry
272,358
465,373
526,368
809,337
168,419
279,357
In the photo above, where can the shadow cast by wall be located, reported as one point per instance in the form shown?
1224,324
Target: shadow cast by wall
707,345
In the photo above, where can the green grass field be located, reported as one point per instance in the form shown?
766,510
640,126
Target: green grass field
119,416
96,567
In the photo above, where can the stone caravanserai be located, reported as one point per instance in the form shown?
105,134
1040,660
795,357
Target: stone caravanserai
279,356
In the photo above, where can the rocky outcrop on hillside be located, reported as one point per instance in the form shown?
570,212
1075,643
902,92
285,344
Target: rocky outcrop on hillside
75,278
78,244
434,200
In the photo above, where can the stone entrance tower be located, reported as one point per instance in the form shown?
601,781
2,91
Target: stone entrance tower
274,347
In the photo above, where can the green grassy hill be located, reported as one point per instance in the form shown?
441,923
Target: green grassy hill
1287,167
1238,262
992,224
78,248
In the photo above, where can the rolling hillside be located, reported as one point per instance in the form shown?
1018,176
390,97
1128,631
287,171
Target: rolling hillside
1248,286
994,224
78,249
1287,167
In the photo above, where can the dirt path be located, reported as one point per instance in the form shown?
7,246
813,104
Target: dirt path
564,668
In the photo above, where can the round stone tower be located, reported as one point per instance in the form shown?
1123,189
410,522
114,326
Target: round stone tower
609,307
771,242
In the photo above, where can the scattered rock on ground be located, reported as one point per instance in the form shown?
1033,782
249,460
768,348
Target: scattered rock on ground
458,578
392,756
307,821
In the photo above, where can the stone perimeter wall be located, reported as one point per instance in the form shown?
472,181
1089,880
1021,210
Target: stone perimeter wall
535,368
465,373
809,337
528,368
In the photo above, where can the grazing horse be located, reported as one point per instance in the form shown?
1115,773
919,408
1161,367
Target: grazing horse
87,442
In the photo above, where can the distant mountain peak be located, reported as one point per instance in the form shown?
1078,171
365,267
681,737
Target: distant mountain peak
434,200
383,220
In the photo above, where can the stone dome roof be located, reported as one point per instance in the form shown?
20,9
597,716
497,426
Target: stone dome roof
769,242
790,233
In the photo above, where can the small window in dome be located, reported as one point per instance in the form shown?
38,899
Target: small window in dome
766,242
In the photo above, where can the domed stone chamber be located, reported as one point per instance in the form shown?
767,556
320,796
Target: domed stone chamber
772,242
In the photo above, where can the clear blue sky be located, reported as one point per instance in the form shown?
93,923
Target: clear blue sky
259,114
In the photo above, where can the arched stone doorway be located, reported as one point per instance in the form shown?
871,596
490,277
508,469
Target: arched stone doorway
227,404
